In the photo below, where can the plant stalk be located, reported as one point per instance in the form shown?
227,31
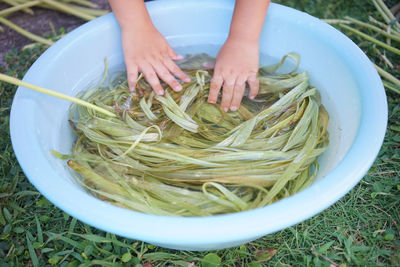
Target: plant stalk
16,3
391,19
15,81
25,32
374,28
68,9
387,75
8,11
82,3
371,39
391,87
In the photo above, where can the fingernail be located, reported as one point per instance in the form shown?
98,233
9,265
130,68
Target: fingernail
252,97
178,88
211,101
234,108
186,80
132,89
178,57
160,92
226,109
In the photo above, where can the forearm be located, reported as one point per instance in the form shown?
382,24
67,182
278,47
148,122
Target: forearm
131,14
248,19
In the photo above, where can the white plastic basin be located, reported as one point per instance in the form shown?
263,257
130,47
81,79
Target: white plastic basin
351,91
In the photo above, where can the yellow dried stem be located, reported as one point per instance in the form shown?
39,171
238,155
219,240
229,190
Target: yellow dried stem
16,3
10,10
15,81
25,33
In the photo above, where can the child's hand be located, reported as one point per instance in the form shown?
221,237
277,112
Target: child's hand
147,51
237,61
236,64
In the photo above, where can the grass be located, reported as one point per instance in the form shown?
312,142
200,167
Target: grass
362,229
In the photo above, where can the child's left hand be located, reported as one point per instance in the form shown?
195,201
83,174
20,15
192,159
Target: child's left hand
236,64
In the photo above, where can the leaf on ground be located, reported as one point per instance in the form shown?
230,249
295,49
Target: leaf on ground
7,215
127,256
67,240
324,248
388,237
265,255
103,263
157,256
54,259
32,253
39,230
211,260
395,128
18,230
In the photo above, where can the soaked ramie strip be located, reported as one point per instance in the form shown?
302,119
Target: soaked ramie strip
177,155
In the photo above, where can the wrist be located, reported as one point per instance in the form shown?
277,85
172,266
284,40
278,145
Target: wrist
243,35
248,19
132,15
138,27
243,41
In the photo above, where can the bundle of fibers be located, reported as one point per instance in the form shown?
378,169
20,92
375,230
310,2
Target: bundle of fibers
178,155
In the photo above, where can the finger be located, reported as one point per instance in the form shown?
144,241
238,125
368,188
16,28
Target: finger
227,93
238,92
132,76
175,70
173,54
151,77
215,87
167,77
254,85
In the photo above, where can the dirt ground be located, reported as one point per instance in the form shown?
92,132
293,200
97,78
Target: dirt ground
39,23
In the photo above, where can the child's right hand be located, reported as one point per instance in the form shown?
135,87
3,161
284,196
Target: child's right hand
147,51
